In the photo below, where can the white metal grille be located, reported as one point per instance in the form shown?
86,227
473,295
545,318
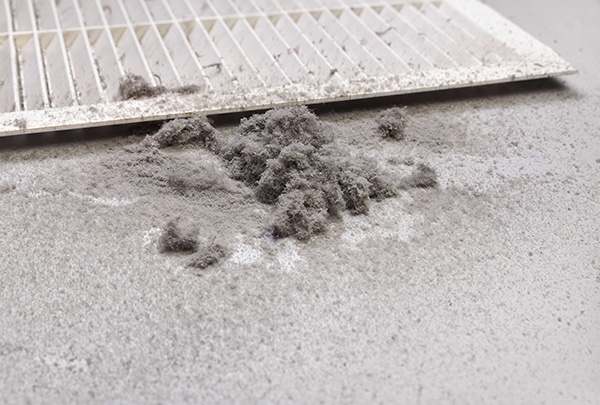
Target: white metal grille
61,60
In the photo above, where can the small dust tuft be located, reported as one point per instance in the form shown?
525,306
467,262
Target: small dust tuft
208,255
185,131
423,176
391,123
188,89
20,123
133,87
175,238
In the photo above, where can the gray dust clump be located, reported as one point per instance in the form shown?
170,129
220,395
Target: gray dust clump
134,87
20,123
287,157
195,130
423,176
208,255
175,238
360,180
391,123
264,136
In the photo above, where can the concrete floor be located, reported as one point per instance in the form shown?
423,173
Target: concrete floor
485,290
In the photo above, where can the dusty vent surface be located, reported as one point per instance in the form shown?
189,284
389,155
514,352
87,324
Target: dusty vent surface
61,60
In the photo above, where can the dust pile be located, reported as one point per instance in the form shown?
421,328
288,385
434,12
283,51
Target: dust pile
291,162
285,158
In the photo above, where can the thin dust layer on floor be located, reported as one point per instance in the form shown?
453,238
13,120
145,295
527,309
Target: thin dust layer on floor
431,296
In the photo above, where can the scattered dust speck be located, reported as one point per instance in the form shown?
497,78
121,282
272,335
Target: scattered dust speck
66,363
7,187
354,234
20,123
37,194
385,221
104,201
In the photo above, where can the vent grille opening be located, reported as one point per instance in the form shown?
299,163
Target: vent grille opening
61,61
